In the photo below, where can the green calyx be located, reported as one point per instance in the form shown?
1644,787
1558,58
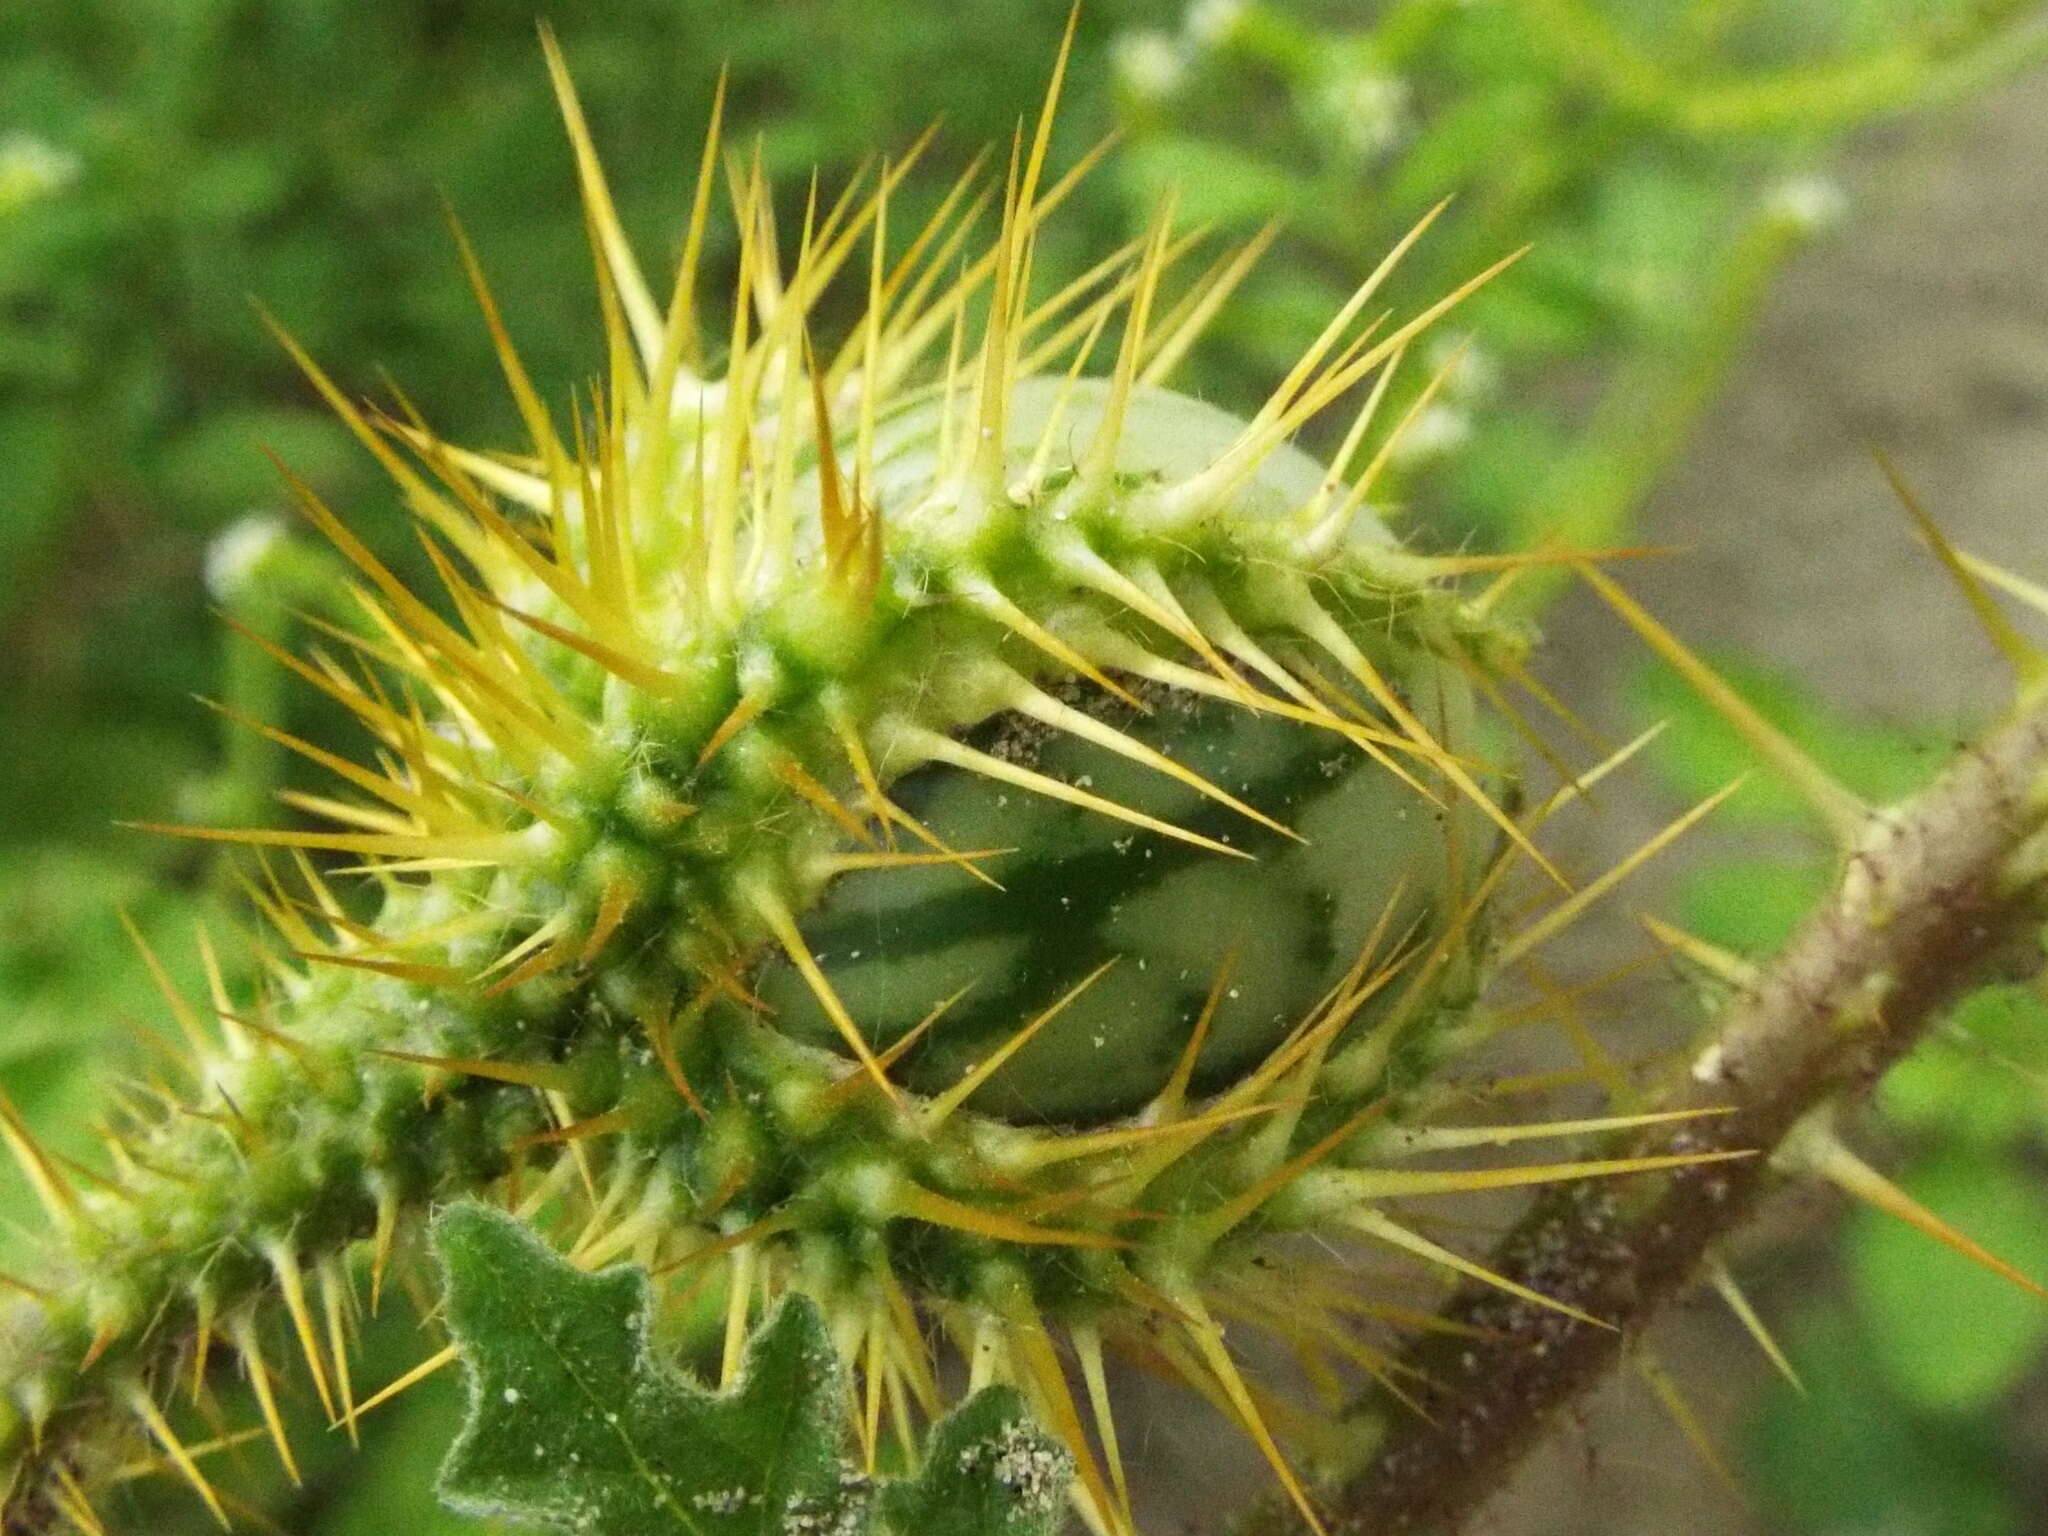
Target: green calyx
956,852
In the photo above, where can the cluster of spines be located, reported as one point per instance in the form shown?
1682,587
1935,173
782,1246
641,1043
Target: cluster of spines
637,685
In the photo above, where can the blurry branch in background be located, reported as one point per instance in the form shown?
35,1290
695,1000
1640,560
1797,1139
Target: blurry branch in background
1665,162
264,578
1934,896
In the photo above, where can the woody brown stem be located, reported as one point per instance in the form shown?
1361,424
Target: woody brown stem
1929,903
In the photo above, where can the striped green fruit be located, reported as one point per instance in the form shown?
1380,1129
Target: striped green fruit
1080,890
989,847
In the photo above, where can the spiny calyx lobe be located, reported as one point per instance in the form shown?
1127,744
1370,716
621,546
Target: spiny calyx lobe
808,789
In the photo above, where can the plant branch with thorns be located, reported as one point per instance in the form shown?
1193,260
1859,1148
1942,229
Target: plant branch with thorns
1934,896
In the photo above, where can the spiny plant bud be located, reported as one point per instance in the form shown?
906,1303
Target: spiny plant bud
951,828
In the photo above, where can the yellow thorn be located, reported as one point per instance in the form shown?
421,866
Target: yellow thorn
679,339
51,1188
1325,523
1574,906
1207,1336
1305,366
931,745
188,1020
737,719
1041,140
1533,686
936,1112
608,1124
771,910
1173,1097
412,1378
1208,612
1031,1347
842,517
1376,466
540,938
1845,814
1087,1342
840,718
102,1341
1819,1152
1222,1218
871,1407
150,1466
1183,330
1326,632
983,594
767,1226
1282,415
2026,660
413,971
1447,1138
532,410
1373,1224
926,1205
385,1235
642,674
612,906
1044,707
799,778
1053,433
548,1076
842,863
661,1035
23,1288
1724,965
292,1282
243,1334
1066,1148
496,849
145,1409
1688,1422
984,449
1515,560
1100,456
202,1341
336,1299
2033,594
854,1082
739,1301
625,272
1410,1183
74,1505
1066,548
1724,1283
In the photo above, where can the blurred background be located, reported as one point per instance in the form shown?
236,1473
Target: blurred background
1767,233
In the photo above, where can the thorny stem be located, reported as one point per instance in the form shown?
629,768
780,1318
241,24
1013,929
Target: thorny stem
1930,902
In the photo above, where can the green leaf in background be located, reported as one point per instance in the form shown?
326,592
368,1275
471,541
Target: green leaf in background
1851,1460
1751,905
1951,1336
1983,1075
574,1424
1700,752
1216,183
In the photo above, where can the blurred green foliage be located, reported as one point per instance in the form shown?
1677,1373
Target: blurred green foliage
1661,157
164,161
